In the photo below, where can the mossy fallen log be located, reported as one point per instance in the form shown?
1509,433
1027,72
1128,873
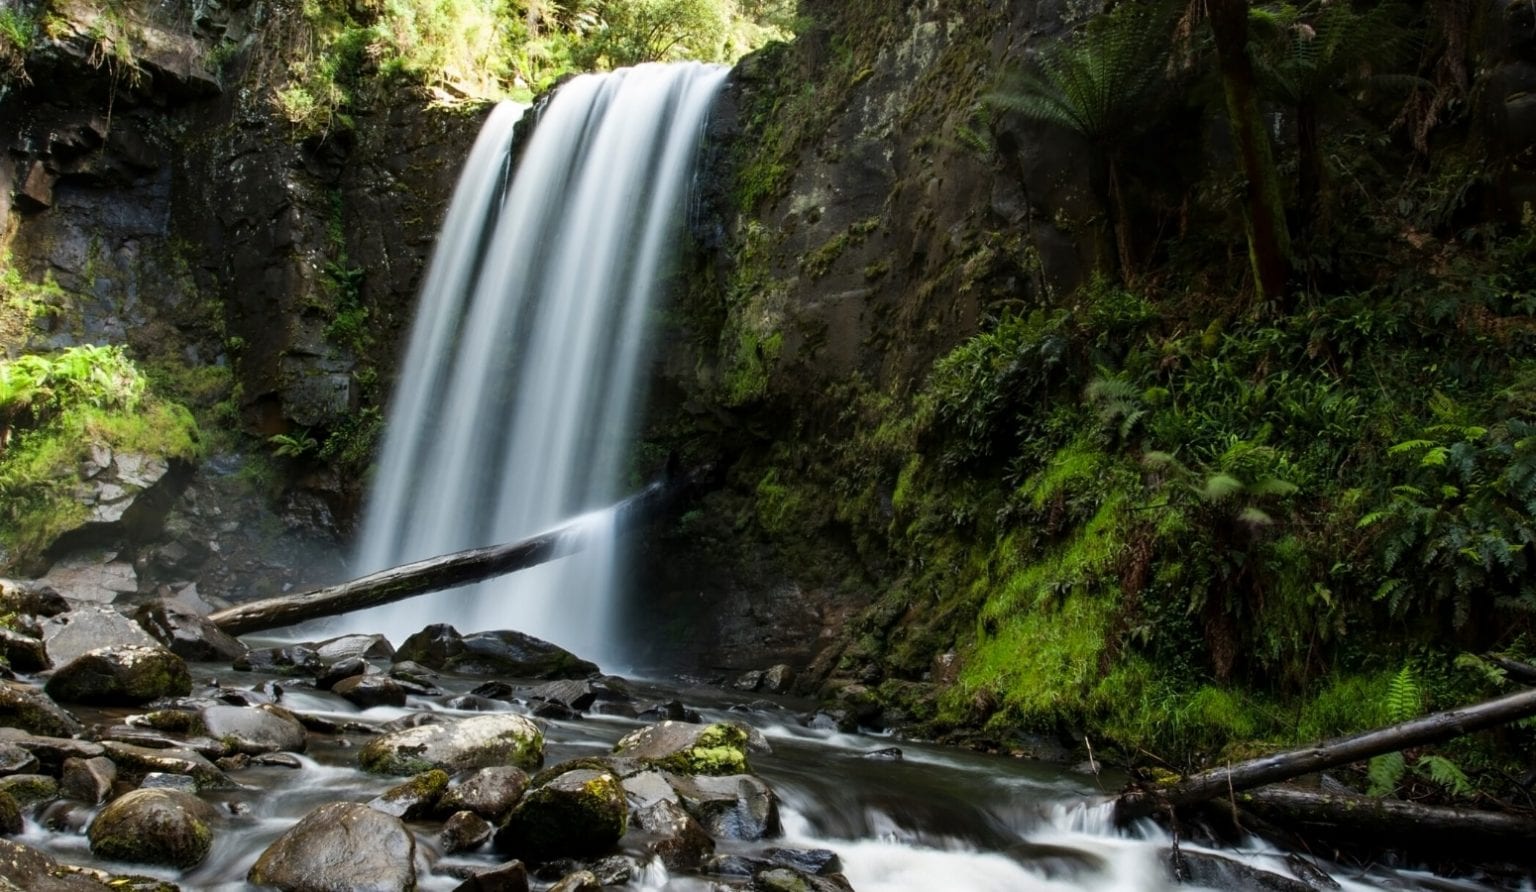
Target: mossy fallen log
451,570
1141,801
1428,831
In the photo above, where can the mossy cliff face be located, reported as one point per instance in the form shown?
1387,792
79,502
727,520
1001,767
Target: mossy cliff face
980,477
153,195
848,239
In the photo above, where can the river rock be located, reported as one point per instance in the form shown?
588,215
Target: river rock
365,691
121,676
30,789
488,792
363,647
189,635
579,881
69,635
822,862
786,879
88,780
138,761
740,807
465,831
253,730
154,827
480,741
717,749
581,812
342,845
341,669
23,653
499,653
24,867
30,599
295,659
156,780
10,816
95,578
680,842
572,693
15,760
416,798
778,678
51,752
25,707
509,877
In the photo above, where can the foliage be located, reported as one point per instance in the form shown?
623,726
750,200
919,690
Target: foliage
16,36
54,408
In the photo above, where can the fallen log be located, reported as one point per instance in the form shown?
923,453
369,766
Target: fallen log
1139,802
446,571
1427,831
1522,673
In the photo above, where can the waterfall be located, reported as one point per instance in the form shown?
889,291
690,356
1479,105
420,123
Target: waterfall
514,406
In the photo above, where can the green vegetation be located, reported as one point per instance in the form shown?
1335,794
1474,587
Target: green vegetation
479,50
16,35
1189,508
53,410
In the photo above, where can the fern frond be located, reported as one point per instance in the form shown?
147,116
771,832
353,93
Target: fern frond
1404,700
1445,773
1385,773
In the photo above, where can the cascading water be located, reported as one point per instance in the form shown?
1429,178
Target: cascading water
515,399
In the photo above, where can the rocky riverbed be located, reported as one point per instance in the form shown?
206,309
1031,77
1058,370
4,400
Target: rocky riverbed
177,757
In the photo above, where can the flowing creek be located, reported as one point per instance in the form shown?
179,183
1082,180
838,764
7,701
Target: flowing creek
934,818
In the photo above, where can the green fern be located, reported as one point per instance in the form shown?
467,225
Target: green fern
1404,698
1445,773
1385,773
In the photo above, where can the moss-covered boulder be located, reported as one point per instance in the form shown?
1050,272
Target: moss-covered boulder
10,815
30,789
497,653
480,741
25,707
137,761
416,798
580,813
154,827
342,845
718,749
121,676
464,831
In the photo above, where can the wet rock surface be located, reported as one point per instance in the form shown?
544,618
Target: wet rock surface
343,845
154,827
475,742
499,653
580,812
121,675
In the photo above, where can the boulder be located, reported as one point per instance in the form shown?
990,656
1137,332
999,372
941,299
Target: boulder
138,761
154,827
121,676
189,635
51,752
295,659
15,760
27,708
509,877
340,670
23,653
489,792
480,741
30,599
69,635
334,650
365,691
581,812
254,729
500,653
30,789
23,867
95,578
786,879
342,845
717,749
465,831
88,780
740,807
778,678
572,693
579,881
10,816
416,798
678,840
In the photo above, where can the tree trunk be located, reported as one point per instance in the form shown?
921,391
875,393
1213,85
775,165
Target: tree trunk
1427,830
1139,802
1269,241
1122,224
1312,210
447,571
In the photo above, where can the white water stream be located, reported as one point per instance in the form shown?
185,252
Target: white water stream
515,401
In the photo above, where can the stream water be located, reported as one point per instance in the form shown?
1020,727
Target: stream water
932,819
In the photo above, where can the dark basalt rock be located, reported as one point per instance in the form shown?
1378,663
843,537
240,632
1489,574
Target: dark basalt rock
343,845
30,599
741,807
367,691
416,798
294,660
23,653
680,842
154,827
340,670
88,780
15,760
465,831
579,813
187,634
121,676
509,877
503,652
